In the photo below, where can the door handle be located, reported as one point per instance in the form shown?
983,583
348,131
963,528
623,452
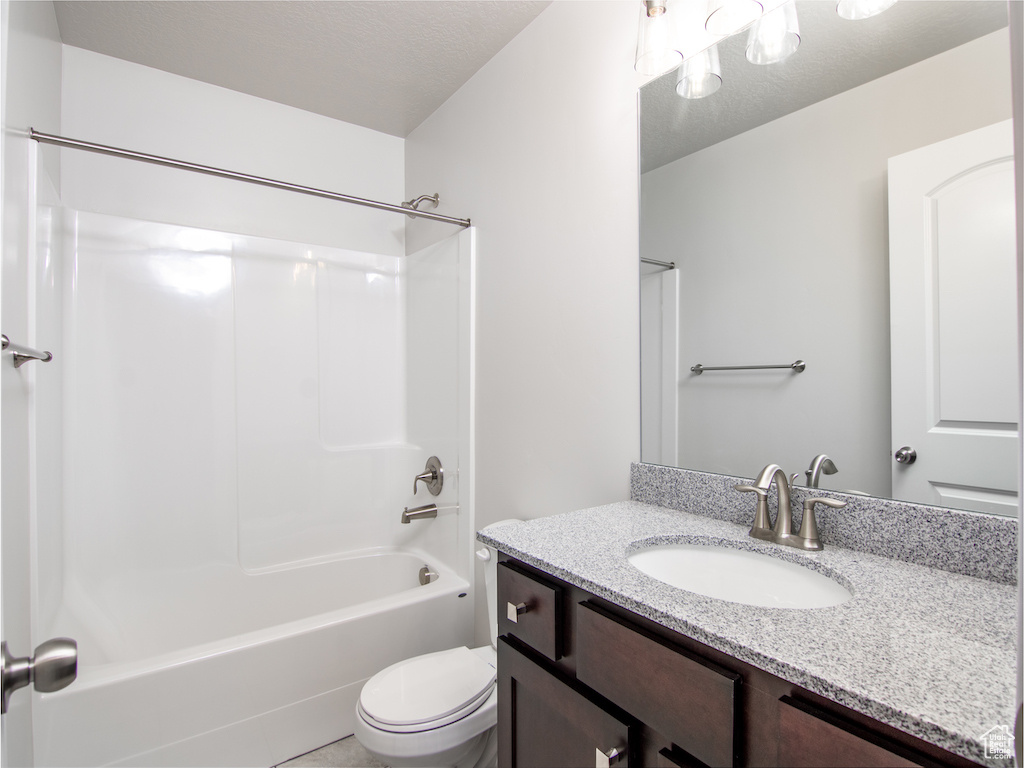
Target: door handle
54,666
905,455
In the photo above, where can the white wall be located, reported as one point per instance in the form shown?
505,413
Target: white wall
782,241
539,148
31,97
110,101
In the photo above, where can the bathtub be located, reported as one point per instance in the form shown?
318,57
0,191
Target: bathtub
198,682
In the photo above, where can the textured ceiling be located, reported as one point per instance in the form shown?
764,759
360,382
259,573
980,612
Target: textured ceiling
382,64
834,56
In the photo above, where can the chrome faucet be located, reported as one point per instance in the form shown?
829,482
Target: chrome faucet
762,527
820,464
782,531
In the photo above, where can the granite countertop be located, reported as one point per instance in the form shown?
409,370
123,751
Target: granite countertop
929,652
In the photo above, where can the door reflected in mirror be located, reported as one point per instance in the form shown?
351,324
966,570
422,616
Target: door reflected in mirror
773,200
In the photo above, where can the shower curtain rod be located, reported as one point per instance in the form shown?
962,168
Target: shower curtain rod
102,149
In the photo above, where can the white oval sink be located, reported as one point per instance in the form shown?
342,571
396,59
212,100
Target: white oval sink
739,576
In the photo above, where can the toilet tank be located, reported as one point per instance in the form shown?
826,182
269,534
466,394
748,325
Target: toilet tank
490,560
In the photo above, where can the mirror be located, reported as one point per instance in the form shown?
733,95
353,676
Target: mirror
771,200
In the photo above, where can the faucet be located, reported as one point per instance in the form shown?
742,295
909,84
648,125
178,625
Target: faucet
820,464
419,513
762,527
782,531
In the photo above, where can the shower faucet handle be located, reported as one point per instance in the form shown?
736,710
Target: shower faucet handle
432,475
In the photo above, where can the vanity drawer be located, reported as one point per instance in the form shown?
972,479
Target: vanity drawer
530,610
813,738
684,697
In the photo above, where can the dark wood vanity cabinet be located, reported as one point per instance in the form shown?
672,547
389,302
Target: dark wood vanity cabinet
582,682
555,722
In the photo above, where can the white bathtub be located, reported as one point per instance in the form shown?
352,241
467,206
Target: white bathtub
199,682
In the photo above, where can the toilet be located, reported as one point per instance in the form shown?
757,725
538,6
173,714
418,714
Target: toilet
439,709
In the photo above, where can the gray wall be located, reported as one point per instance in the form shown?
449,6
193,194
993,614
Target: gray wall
539,148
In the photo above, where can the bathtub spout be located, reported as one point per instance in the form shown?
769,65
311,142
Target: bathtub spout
419,513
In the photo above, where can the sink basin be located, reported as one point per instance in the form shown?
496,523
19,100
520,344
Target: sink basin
739,576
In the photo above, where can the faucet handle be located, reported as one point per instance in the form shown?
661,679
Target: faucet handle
763,492
809,524
432,476
762,522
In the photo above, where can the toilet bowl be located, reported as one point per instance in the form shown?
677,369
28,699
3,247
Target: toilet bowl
438,710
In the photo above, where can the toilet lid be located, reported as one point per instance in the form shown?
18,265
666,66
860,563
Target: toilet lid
428,687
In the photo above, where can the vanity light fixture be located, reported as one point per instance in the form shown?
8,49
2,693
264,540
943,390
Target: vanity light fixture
670,27
656,48
700,75
862,9
775,36
727,17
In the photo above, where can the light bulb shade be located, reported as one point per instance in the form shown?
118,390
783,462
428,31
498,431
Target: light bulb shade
657,51
700,75
854,10
774,36
727,17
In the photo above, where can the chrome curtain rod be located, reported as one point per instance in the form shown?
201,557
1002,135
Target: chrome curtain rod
665,264
102,149
796,367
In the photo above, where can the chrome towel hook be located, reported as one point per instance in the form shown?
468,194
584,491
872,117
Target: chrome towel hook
22,354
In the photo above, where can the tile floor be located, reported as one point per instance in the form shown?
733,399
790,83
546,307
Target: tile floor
347,753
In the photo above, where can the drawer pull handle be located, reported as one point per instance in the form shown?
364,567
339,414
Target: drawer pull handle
515,611
609,758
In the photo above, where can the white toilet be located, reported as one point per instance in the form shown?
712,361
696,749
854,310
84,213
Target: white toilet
439,709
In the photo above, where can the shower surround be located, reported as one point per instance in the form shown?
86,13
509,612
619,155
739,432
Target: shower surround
224,444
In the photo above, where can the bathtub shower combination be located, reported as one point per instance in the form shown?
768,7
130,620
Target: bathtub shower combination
224,444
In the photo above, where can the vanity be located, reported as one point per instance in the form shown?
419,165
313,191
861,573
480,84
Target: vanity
601,664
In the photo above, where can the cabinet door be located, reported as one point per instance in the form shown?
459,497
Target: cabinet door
686,698
811,738
545,722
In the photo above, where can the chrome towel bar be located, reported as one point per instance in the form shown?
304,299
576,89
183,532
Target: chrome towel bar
658,263
23,354
796,367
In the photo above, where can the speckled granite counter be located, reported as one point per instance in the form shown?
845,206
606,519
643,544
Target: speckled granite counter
929,652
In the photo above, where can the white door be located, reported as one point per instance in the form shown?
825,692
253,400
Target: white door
15,394
953,311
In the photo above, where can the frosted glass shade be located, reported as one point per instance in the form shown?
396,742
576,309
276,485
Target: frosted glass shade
862,9
700,75
775,36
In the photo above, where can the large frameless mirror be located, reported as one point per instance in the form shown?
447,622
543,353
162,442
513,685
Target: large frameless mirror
850,207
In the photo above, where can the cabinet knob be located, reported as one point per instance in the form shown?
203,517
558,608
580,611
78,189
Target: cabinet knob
609,758
515,610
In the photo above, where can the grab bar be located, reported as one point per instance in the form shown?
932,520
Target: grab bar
24,354
796,367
